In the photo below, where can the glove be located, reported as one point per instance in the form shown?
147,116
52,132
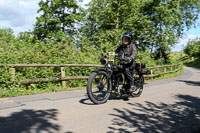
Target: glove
126,60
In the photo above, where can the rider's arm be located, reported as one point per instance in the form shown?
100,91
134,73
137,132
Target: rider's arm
134,52
118,50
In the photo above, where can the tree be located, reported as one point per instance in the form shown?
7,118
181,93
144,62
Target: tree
155,24
169,18
193,48
57,17
6,35
104,24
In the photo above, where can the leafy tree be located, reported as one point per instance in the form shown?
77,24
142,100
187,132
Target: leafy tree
57,16
193,48
6,35
26,37
104,24
169,18
156,24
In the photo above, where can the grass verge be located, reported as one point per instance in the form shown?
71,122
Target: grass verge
166,76
21,91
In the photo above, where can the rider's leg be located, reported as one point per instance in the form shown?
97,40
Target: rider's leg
128,73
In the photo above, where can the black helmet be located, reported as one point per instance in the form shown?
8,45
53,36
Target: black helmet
129,35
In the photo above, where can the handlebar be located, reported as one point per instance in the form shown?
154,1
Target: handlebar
119,58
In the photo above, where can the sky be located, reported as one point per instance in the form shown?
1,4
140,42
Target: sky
20,15
192,33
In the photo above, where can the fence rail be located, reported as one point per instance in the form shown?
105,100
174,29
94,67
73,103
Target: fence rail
50,65
153,72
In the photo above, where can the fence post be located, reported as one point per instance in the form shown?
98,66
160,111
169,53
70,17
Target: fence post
177,67
165,69
12,72
63,75
151,73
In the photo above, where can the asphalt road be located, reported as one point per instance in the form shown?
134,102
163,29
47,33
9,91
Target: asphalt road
171,105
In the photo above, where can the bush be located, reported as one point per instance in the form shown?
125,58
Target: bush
145,57
28,52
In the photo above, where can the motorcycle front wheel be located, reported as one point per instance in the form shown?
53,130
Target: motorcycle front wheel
98,87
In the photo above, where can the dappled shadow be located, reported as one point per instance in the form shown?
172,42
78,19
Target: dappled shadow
180,117
27,121
193,83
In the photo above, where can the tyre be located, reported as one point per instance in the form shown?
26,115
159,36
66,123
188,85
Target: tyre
139,83
98,87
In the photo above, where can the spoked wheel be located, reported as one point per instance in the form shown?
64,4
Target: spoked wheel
139,82
98,87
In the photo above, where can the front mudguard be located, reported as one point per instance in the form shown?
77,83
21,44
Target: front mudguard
98,70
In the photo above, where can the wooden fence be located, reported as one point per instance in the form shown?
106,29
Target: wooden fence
153,71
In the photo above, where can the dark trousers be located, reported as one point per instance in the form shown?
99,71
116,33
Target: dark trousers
128,71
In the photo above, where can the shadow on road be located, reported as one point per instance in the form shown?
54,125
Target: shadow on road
183,117
86,101
193,83
27,121
123,97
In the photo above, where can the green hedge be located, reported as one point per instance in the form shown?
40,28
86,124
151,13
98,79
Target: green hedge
44,53
29,51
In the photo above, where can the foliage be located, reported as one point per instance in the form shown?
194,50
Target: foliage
26,52
57,17
6,35
33,89
193,63
177,57
193,48
145,57
155,24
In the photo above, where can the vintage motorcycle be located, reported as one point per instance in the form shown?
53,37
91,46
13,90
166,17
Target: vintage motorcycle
110,80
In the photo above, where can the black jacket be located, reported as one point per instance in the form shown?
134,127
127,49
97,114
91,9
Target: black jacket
128,51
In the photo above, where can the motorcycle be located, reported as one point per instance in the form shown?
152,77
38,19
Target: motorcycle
110,80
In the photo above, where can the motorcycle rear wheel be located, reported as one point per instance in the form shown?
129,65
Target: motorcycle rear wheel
98,87
139,82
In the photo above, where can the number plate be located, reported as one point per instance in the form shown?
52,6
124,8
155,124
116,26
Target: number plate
111,56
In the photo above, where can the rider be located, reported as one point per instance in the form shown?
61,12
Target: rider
128,52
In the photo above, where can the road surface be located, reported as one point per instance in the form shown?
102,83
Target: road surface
171,105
